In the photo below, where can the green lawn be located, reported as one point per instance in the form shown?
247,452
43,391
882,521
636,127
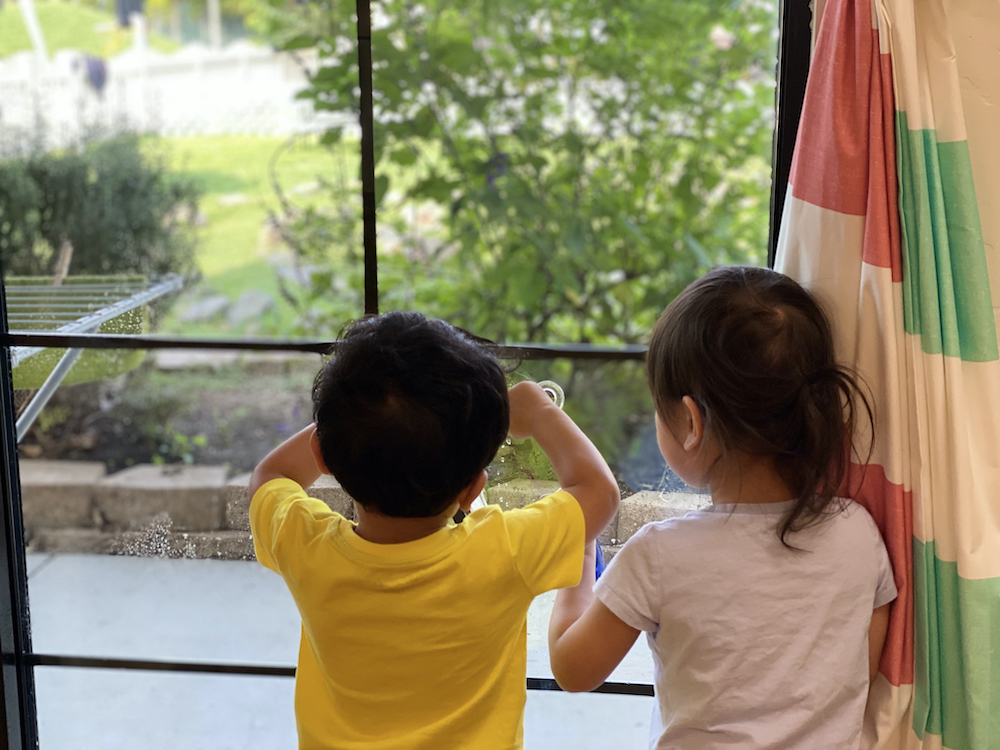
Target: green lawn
70,26
235,250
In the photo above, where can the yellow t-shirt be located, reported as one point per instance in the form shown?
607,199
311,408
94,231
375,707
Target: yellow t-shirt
420,645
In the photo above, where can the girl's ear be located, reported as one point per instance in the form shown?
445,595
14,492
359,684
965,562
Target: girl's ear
694,431
317,453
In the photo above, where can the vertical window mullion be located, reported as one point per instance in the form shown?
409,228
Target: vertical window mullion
367,153
794,50
20,723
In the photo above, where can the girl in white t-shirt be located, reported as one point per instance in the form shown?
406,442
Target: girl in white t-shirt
766,612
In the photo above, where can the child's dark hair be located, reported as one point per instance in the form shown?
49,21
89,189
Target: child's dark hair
755,352
408,411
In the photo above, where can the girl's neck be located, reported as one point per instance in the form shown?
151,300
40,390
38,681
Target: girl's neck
747,479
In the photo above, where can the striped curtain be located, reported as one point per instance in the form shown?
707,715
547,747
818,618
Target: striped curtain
883,222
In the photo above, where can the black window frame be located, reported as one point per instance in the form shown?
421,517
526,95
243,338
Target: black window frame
19,729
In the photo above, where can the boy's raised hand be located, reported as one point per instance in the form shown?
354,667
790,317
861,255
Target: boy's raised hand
527,400
578,465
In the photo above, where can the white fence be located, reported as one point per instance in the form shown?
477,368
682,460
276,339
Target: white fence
242,89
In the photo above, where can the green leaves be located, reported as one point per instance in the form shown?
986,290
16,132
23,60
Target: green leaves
113,199
300,41
589,158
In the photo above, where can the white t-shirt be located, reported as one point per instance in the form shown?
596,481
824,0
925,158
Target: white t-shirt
754,645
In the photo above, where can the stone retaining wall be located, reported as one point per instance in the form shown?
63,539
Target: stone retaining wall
198,512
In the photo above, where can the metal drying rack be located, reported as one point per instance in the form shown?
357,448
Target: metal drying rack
71,308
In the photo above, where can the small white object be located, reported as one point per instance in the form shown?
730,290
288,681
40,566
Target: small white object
554,391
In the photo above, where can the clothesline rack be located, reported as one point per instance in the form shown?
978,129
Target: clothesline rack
74,307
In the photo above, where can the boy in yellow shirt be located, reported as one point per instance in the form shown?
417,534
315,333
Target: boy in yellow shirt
414,628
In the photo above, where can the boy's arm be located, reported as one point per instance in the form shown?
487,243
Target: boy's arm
293,459
579,467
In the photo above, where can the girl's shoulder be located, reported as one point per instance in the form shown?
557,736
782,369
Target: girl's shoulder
855,514
688,528
847,526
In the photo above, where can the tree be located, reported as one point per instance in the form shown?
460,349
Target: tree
590,159
592,156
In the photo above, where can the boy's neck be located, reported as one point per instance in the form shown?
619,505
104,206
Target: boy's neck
379,529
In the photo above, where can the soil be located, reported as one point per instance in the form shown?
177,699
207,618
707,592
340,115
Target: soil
221,411
232,416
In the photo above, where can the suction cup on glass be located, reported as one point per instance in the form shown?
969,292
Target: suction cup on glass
554,391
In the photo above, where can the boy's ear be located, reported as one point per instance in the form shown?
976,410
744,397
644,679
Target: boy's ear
694,431
468,496
317,453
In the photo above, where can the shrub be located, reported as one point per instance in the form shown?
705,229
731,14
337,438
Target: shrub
112,199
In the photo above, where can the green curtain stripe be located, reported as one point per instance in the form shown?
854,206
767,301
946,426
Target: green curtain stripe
946,288
957,653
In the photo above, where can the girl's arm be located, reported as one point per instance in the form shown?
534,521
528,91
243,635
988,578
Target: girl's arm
876,639
586,639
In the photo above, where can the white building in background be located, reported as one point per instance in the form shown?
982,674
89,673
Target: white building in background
198,90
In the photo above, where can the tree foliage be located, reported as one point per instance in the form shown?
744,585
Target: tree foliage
591,157
112,199
587,160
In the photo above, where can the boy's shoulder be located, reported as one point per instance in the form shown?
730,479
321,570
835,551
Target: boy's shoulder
282,499
554,504
276,491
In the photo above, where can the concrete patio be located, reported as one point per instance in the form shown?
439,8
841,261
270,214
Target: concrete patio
236,612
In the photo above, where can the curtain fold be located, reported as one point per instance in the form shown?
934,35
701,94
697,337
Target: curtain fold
882,222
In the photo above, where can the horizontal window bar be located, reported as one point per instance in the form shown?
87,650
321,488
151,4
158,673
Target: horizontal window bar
88,662
147,665
123,341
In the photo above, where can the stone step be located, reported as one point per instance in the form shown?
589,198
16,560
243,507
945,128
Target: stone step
634,512
58,494
154,504
150,542
192,497
650,506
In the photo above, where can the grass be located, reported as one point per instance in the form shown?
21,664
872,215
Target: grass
234,252
70,26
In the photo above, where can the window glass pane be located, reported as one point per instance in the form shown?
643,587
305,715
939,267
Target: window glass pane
558,172
544,173
116,709
133,147
134,480
158,608
586,721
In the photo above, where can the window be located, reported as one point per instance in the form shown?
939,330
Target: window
537,180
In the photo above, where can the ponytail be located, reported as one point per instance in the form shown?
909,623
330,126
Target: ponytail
817,467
